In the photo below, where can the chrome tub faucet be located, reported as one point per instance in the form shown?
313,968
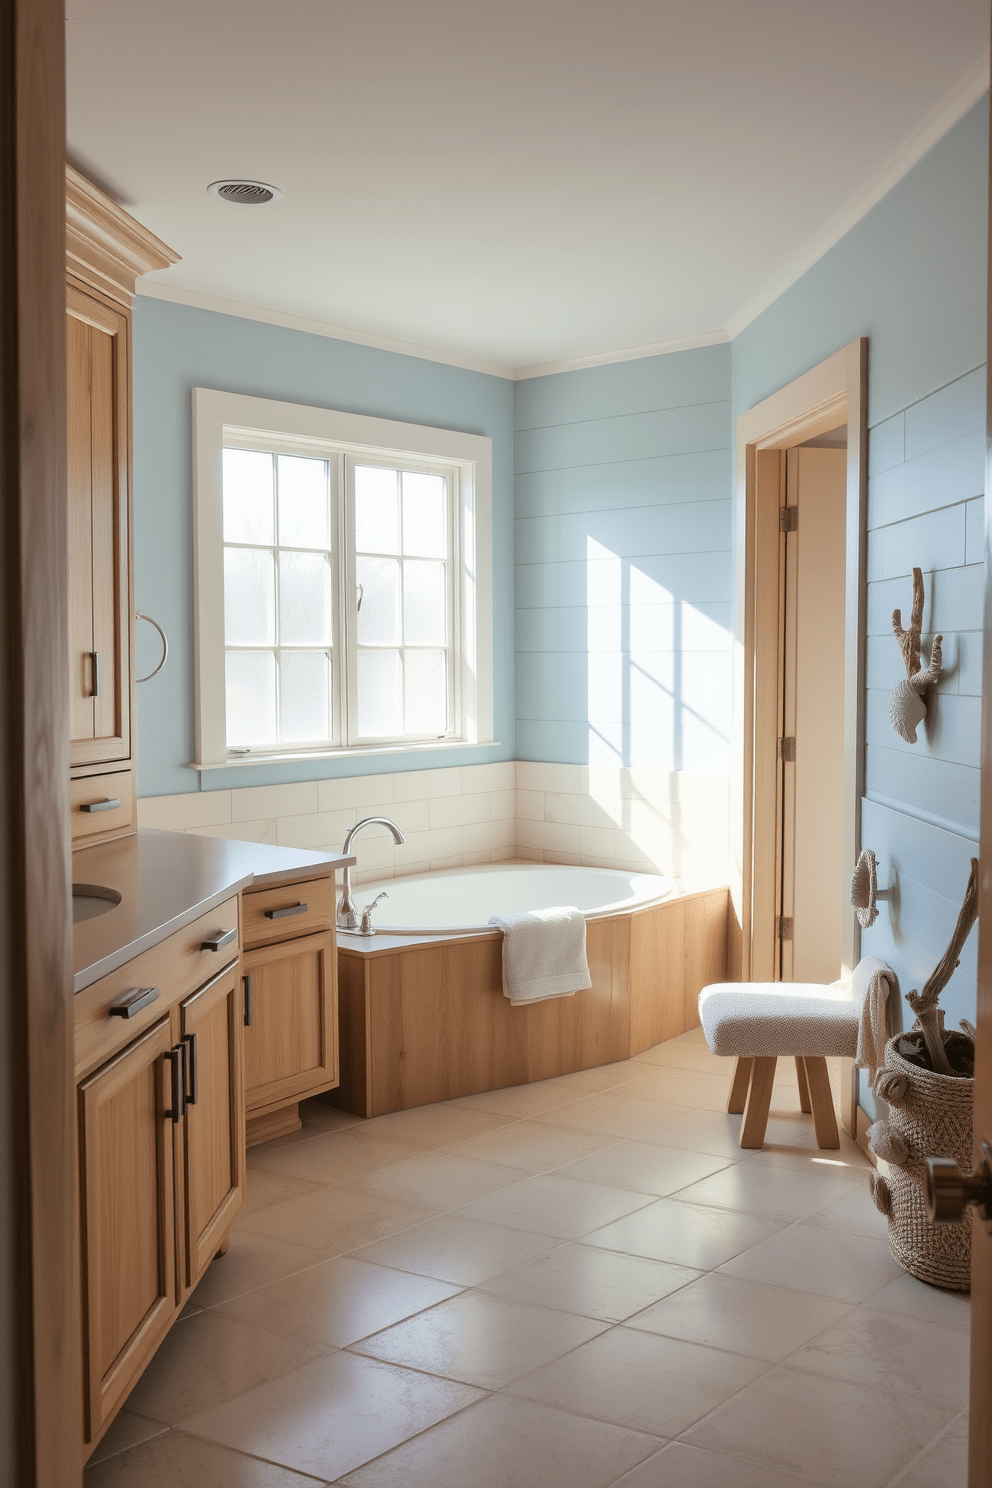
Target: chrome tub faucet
347,915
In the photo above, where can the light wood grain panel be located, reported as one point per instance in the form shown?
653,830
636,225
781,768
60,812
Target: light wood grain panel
676,949
354,1092
317,894
109,527
291,1046
87,790
80,517
265,1126
127,1219
176,966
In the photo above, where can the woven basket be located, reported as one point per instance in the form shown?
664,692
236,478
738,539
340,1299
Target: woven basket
930,1115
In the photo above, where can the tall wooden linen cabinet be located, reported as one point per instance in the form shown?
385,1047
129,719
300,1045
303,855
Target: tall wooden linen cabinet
106,252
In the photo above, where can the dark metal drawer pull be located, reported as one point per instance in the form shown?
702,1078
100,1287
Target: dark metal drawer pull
281,914
95,662
219,941
249,982
192,1069
109,805
176,1061
133,1002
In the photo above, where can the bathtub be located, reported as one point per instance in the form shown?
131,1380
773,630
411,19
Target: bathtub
422,1016
461,901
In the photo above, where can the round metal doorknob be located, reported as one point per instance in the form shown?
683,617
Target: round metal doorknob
949,1192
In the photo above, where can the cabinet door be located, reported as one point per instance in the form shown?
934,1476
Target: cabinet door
99,570
214,1137
291,1042
127,1218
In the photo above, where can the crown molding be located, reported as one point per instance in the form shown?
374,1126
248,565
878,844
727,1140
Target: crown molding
963,96
105,247
628,354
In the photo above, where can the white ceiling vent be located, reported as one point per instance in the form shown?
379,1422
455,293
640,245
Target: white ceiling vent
245,193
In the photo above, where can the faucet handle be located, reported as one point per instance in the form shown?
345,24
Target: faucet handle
366,927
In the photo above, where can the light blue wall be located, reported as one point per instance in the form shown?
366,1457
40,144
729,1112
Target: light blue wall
624,571
911,276
177,348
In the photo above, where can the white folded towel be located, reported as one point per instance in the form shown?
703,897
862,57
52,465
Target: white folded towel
544,954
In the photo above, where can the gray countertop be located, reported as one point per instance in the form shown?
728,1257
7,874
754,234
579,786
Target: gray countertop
166,880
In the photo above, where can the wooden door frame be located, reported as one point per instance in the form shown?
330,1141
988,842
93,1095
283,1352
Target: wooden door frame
818,401
40,1339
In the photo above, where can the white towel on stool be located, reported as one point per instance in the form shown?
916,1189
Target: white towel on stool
544,954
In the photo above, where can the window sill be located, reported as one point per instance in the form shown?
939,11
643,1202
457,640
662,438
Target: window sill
430,746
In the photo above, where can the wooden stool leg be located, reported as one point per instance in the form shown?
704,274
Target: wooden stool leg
738,1090
822,1101
804,1104
759,1098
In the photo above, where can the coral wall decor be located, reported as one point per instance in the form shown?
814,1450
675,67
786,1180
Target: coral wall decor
906,705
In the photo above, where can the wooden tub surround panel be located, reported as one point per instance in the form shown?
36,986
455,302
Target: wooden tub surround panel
428,1022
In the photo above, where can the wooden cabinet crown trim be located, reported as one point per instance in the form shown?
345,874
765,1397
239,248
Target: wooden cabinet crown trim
104,247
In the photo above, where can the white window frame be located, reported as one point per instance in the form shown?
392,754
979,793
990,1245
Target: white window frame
221,418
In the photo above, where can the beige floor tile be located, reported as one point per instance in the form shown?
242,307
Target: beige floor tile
596,1283
519,1100
849,1267
712,1132
339,1301
437,1180
480,1339
679,1054
618,1114
330,1221
679,1466
434,1126
453,1248
335,1157
641,1381
833,1431
175,1461
126,1431
852,1214
266,1188
212,1359
643,1167
745,1317
685,1234
928,1303
507,1443
553,1205
334,1415
251,1261
531,1146
779,1192
944,1464
847,1159
600,1077
902,1355
678,1086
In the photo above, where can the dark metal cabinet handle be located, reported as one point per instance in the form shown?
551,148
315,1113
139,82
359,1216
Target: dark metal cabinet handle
192,1069
109,805
133,1002
177,1061
282,914
95,663
219,941
249,982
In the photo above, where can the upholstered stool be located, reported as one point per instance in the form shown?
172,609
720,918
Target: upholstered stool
761,1022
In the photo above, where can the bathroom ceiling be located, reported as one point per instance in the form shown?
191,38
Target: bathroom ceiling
511,182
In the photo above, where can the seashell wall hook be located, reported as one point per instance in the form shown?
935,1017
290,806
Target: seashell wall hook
906,706
865,891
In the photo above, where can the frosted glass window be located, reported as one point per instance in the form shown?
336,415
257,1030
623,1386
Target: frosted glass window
379,616
251,698
424,603
304,599
248,496
425,692
377,511
380,694
425,515
249,597
305,696
304,503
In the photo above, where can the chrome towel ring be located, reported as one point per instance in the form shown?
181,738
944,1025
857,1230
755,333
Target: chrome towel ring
165,646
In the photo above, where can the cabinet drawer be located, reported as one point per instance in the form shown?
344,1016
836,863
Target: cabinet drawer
290,910
176,967
90,812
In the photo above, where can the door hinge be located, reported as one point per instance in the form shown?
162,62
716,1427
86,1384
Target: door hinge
788,519
787,749
783,927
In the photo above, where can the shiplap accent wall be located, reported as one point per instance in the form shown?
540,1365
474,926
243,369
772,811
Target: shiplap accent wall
623,611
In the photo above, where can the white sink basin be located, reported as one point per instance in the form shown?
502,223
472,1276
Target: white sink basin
90,900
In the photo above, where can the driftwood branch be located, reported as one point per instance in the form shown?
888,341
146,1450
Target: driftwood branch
924,1004
909,640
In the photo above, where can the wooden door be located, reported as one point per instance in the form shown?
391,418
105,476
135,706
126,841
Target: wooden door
127,1218
99,582
213,1155
812,871
291,1042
